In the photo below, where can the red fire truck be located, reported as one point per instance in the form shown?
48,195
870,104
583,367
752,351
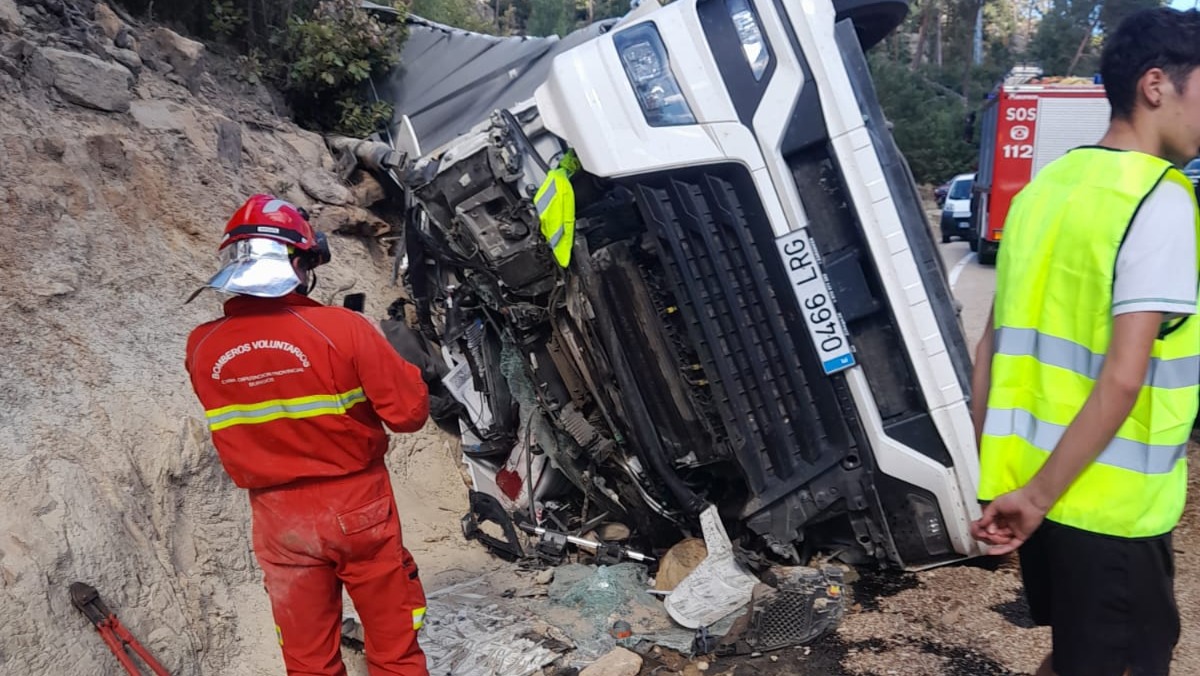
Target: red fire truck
1025,127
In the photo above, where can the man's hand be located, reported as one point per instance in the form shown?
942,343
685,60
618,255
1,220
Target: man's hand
1009,521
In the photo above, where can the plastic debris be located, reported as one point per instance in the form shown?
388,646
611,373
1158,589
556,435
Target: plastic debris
717,587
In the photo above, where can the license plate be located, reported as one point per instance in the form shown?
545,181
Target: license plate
815,300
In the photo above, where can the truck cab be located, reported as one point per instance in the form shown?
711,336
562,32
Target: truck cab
753,313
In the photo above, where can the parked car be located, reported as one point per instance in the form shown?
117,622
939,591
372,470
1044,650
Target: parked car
956,211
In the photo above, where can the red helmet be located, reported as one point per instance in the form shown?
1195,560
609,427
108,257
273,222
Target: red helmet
267,216
260,242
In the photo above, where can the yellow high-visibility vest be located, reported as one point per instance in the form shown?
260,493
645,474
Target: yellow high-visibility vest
555,202
1053,323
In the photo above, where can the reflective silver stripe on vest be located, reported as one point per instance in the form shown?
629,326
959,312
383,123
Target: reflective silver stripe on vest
1167,374
543,202
557,236
1123,453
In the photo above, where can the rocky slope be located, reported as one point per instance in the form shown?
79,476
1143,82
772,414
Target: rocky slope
123,150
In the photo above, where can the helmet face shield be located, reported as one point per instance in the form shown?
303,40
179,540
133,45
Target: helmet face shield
255,267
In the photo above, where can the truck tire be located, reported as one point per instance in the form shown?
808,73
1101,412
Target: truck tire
973,242
945,238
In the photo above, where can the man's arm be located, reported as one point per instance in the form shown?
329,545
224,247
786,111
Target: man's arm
392,385
981,375
1010,519
1105,410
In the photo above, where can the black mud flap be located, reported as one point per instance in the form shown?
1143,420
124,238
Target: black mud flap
484,509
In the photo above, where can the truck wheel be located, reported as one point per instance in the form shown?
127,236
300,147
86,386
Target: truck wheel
973,242
945,238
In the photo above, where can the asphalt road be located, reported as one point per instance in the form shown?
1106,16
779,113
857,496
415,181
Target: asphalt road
973,285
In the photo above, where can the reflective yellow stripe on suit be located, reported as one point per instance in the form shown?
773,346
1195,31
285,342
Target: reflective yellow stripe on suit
274,409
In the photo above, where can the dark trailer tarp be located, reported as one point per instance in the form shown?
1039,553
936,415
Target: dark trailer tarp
450,80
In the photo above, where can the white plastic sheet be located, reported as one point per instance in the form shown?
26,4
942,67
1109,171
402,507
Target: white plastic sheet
717,587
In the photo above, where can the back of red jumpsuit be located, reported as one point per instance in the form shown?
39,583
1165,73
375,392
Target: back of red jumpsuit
296,395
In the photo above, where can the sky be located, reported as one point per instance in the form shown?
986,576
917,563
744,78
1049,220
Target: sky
1183,4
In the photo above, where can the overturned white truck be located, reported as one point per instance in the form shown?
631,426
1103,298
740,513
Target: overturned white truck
753,315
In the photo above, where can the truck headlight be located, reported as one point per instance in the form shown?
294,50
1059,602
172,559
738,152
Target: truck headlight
644,57
750,36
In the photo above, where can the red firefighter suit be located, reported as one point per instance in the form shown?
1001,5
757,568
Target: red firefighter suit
296,395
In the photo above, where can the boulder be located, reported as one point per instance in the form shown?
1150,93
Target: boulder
125,40
127,58
85,80
10,17
679,562
186,57
108,21
325,187
618,662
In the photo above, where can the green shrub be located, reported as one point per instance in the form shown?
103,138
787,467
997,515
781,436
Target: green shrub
324,59
225,19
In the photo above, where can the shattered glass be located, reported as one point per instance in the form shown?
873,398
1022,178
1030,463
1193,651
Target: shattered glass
585,601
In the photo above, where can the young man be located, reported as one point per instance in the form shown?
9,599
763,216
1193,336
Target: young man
1090,375
297,395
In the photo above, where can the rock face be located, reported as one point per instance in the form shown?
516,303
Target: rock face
324,187
229,143
85,80
109,475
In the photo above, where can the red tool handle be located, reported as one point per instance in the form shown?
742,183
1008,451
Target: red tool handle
117,637
117,647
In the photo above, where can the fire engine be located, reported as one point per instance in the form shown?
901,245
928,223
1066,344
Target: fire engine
1027,125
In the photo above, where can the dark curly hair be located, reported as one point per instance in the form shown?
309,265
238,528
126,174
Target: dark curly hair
1152,38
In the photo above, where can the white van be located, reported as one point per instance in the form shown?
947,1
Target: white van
956,212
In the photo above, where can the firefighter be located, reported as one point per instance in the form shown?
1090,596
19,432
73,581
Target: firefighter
1090,371
297,395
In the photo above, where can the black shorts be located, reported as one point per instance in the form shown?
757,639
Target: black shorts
1109,601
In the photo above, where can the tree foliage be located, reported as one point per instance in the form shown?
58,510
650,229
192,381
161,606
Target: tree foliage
325,57
318,52
926,72
932,89
466,14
